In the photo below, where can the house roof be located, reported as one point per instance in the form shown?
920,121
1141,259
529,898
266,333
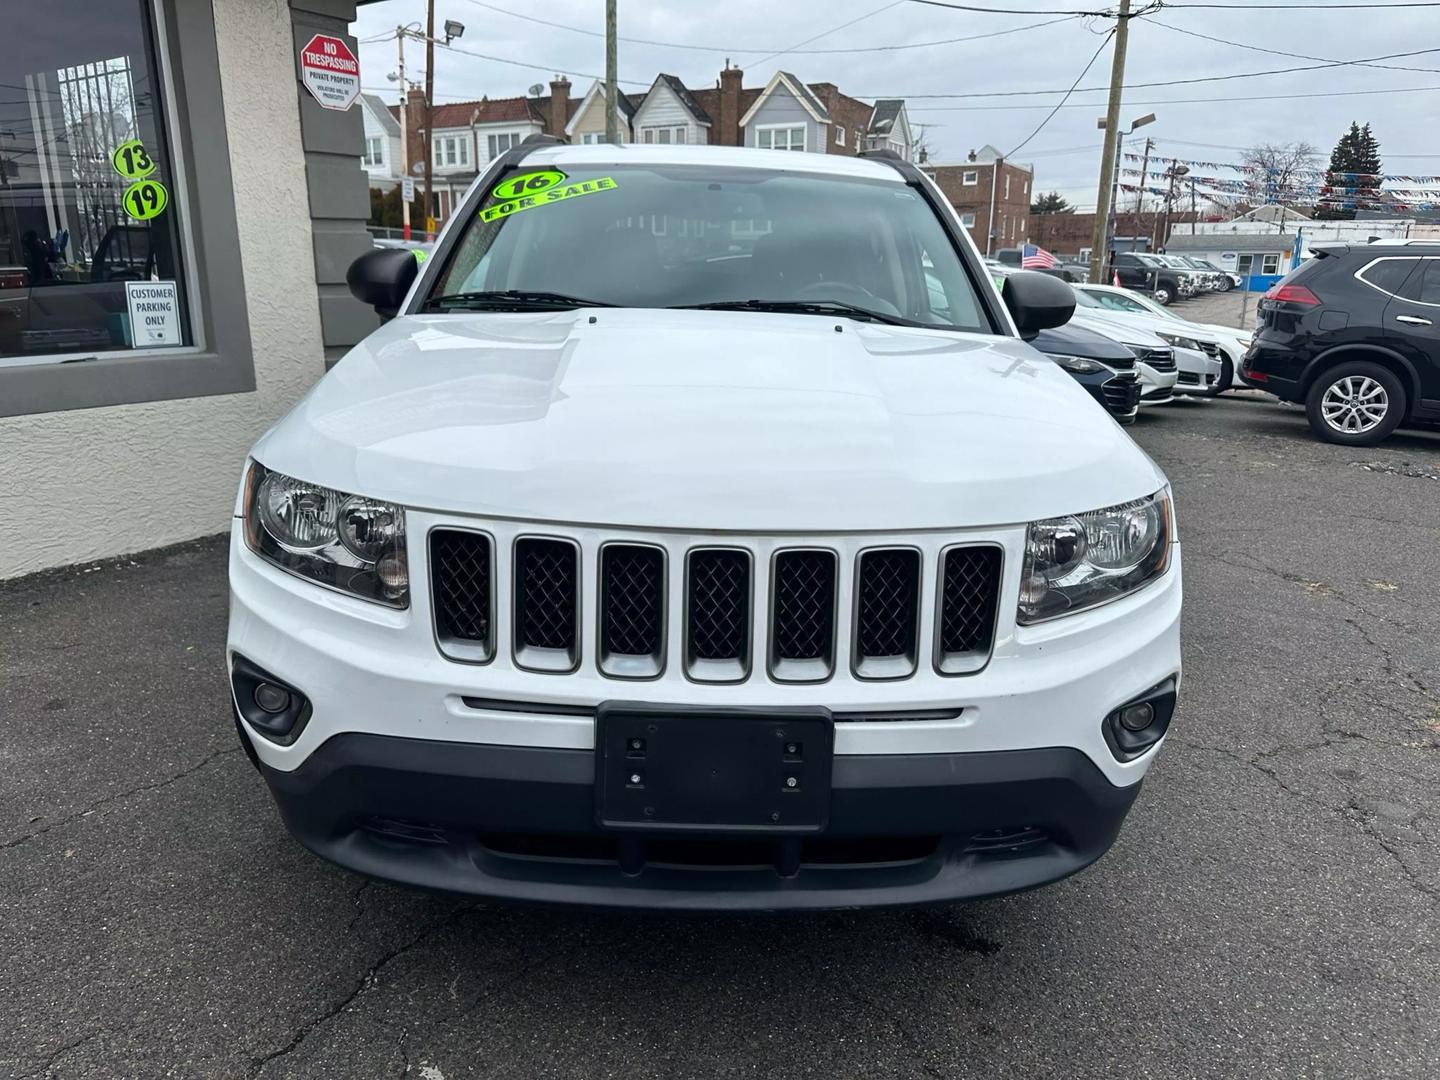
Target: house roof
383,116
625,104
802,93
887,111
461,114
682,94
1268,243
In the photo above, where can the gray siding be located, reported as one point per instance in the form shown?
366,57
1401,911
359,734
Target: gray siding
782,108
339,189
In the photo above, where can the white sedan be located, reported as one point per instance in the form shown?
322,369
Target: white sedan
1233,341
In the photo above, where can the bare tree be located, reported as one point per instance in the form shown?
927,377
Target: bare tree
1280,172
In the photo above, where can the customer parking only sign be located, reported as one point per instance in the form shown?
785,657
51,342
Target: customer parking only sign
330,72
154,311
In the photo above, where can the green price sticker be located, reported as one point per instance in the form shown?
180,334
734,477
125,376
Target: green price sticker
145,199
531,183
551,193
132,161
420,255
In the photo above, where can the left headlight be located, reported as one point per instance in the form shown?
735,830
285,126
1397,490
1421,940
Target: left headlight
348,542
1082,560
1180,341
1077,365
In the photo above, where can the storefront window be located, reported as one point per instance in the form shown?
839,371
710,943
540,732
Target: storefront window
90,253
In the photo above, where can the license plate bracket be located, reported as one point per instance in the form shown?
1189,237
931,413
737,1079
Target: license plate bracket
676,769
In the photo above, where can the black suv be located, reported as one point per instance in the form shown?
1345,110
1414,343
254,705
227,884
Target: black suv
1144,272
1354,335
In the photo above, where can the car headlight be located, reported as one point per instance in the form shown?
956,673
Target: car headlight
348,542
1082,560
1181,342
1076,364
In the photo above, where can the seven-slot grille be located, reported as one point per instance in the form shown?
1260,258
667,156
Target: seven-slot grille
1159,359
538,596
1122,393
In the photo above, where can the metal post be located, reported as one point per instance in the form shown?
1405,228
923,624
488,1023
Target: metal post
428,142
1144,175
404,132
1193,211
612,91
1099,238
990,228
1112,227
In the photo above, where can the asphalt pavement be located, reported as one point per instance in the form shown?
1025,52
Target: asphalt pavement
1269,911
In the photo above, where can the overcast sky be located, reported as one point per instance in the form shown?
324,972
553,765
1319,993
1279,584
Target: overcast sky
1065,154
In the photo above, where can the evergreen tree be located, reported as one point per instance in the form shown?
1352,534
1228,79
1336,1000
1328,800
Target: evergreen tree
1358,154
1052,202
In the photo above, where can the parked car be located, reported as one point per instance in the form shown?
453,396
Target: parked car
1353,334
1200,281
641,566
1197,372
1103,366
1011,259
1147,273
1224,344
1154,358
1223,280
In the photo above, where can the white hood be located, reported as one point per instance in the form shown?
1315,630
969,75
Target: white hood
1150,324
707,421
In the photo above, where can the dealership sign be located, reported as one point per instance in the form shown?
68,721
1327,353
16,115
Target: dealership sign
330,72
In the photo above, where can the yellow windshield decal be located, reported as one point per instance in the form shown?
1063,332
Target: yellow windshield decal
545,197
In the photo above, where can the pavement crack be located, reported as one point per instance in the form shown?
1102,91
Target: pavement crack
258,1065
119,795
58,1053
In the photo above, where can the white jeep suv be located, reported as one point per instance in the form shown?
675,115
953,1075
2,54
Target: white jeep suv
699,532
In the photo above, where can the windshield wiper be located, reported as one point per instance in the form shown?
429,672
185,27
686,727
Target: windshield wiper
801,307
511,300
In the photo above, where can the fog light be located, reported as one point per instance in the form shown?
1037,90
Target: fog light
272,698
393,574
1135,717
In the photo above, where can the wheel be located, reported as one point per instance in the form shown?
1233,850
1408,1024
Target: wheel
1355,404
1225,380
1164,295
1226,284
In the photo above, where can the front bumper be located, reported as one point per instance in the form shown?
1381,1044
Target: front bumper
518,823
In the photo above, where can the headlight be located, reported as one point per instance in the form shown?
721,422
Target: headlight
1181,342
1077,365
348,542
1077,562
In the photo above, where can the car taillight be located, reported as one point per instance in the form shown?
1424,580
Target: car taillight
1292,294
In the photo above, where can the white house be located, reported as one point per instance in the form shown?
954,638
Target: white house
382,159
670,113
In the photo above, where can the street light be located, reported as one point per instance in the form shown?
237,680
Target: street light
453,30
1120,137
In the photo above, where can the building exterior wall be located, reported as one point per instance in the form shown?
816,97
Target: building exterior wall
384,174
590,120
783,108
661,108
1011,213
94,482
1070,233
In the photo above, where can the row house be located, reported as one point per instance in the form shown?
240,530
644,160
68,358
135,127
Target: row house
785,114
992,197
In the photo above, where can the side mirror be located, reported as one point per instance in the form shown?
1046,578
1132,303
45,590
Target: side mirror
1037,302
381,278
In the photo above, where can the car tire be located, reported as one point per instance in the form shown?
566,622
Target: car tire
1226,284
1164,295
1225,380
1355,404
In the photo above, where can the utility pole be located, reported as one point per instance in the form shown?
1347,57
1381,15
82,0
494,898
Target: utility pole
429,139
1099,239
1144,175
990,228
404,132
612,103
1192,206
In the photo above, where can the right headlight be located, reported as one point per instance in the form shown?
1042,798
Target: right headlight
1077,365
348,542
1082,560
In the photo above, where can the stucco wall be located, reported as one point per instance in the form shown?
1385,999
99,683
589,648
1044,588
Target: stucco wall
96,482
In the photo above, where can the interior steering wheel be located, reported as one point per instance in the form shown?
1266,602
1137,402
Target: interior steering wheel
846,293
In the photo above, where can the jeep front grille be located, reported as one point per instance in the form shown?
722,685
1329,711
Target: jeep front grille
840,609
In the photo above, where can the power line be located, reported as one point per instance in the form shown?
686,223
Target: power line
1165,82
1107,13
1282,52
1083,72
534,67
1310,7
738,49
1186,101
826,33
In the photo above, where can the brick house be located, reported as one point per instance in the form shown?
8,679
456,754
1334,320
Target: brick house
992,197
1070,233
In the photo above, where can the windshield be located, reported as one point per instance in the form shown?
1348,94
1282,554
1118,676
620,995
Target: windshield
663,235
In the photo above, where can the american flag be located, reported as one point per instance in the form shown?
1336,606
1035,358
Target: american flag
1035,258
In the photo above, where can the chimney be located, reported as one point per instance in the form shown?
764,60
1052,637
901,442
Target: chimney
924,156
971,156
558,115
730,111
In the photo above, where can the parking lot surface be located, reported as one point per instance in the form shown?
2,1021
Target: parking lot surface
1269,911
